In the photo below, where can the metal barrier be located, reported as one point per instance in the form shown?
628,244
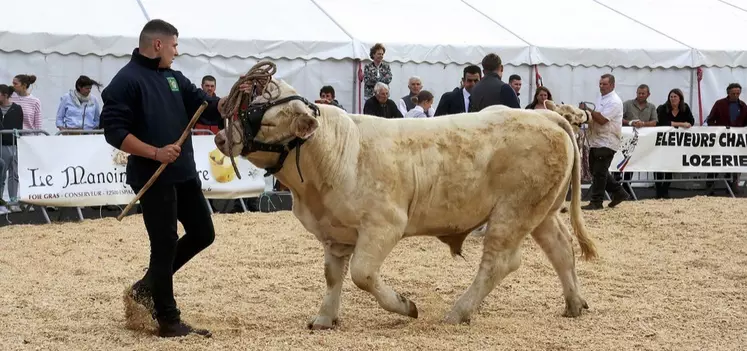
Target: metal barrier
581,138
584,148
16,133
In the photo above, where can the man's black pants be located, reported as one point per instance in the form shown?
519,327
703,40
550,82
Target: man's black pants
601,179
162,206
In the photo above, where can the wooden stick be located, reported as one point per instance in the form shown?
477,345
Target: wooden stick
160,169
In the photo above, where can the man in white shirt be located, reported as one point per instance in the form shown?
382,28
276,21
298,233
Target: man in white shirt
605,137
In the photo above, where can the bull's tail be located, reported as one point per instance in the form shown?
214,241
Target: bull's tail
588,248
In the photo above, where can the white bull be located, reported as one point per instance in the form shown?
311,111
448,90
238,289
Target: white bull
368,182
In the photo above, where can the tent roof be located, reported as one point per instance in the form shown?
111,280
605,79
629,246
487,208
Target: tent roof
276,29
56,27
446,31
584,33
571,32
708,26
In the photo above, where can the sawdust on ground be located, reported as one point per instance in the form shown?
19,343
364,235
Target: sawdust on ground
672,276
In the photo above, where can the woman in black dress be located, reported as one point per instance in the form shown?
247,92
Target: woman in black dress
675,113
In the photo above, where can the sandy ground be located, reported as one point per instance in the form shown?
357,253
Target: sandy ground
672,276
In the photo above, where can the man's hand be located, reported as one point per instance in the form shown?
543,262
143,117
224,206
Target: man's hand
221,102
246,87
168,153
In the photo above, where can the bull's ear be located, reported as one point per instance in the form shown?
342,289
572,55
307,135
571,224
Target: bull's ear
550,105
304,124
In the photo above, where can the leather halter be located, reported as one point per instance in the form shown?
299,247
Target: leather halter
251,121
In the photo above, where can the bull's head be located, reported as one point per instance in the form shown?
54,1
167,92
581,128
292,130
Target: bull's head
275,122
574,115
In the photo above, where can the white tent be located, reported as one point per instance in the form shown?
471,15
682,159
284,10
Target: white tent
322,42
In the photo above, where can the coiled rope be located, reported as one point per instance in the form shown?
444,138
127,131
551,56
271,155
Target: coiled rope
259,77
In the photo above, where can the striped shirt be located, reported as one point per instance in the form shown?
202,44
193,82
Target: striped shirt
31,106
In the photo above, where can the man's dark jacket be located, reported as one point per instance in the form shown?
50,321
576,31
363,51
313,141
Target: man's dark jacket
451,103
491,90
719,115
155,105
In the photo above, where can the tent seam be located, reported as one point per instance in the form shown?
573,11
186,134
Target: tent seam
142,8
496,22
692,49
352,40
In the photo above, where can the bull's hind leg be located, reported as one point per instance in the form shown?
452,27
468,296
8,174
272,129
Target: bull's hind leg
501,255
555,240
371,249
335,268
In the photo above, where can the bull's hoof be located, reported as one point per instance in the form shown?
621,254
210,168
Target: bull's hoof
574,307
322,323
454,318
413,312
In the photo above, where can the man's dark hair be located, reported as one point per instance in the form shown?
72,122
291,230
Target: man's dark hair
327,89
471,69
208,78
610,77
155,28
491,62
513,77
732,86
644,86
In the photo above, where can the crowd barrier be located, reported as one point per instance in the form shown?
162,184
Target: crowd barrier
78,168
696,154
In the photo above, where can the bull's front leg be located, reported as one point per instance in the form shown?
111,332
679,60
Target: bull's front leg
370,251
335,267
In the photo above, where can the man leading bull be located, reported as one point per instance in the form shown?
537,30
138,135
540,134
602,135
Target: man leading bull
147,106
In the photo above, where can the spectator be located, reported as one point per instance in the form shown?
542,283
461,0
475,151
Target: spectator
514,81
380,104
30,104
208,85
540,96
327,96
423,105
457,100
730,111
78,108
491,90
405,104
605,137
639,112
377,71
675,113
11,117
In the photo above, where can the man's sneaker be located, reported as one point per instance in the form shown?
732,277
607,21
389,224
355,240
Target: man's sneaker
593,206
141,294
15,208
618,197
170,330
4,210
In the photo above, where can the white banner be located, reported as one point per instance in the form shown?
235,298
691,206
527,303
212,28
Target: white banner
83,170
680,150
